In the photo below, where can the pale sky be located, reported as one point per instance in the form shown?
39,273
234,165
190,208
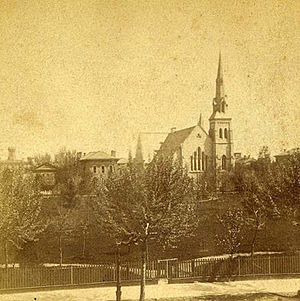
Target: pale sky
90,75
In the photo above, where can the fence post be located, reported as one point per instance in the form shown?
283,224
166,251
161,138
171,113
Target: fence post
239,266
193,267
269,265
71,271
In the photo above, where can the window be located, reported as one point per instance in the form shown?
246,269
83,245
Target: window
199,158
206,162
103,169
195,160
225,133
94,169
192,162
110,168
203,161
220,133
224,162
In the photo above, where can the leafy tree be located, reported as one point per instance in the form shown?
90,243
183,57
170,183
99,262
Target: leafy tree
70,178
41,159
230,234
61,225
20,207
154,205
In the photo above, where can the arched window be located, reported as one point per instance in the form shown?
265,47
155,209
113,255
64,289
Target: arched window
195,160
224,162
220,133
192,163
199,158
225,133
203,161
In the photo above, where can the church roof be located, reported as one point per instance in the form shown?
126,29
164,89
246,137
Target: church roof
100,155
175,139
219,115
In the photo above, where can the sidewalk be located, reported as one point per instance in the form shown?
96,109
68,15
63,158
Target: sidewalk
279,286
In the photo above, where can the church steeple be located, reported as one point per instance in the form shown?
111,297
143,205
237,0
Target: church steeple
219,81
219,102
139,159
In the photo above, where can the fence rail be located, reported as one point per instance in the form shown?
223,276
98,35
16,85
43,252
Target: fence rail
34,277
220,268
202,269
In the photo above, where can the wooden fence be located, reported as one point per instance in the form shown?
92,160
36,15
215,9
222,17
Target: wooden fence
231,268
35,277
175,270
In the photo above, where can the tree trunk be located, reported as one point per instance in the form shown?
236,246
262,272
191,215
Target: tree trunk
253,241
118,272
143,271
6,254
60,251
83,244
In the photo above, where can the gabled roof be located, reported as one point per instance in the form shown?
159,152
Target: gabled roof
175,139
46,167
98,156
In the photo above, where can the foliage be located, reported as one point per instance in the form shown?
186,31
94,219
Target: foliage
20,207
140,206
230,234
71,180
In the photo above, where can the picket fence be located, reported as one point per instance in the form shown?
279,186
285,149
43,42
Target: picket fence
174,270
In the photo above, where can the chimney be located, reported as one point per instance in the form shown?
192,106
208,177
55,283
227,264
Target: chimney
11,154
113,153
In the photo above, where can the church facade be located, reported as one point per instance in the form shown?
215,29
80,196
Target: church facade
199,150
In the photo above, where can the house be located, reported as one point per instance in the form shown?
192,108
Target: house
200,150
285,155
47,173
99,163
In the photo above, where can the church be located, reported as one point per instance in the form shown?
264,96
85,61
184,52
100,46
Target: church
199,150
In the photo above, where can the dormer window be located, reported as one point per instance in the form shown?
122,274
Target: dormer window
220,133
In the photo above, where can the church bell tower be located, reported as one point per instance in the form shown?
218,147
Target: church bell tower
220,128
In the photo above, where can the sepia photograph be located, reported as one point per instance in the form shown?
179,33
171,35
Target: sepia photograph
149,150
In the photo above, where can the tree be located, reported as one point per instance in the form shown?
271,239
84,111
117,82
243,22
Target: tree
230,233
61,224
154,205
41,159
20,207
70,178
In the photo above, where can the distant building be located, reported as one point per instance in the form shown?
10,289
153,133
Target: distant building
99,164
47,174
12,161
243,160
285,155
199,150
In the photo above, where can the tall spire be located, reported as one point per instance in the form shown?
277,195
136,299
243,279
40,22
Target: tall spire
219,81
139,160
200,120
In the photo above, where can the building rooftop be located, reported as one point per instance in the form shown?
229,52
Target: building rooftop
99,155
